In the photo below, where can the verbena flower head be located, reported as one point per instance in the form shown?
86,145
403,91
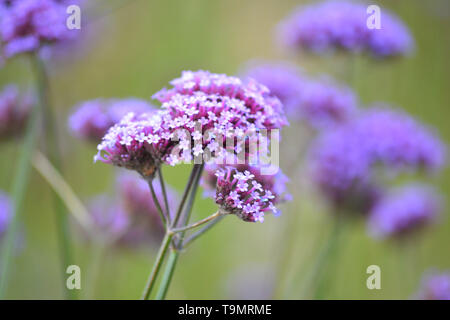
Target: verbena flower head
242,190
342,25
435,286
92,119
137,142
223,106
14,111
343,159
5,212
27,25
403,211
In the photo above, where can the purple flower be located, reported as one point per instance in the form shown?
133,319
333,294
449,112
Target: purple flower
242,190
435,286
14,111
343,159
223,106
5,212
109,218
27,25
320,103
131,217
137,142
403,211
200,104
92,119
324,103
283,80
342,25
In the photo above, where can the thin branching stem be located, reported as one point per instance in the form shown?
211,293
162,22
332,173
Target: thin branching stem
196,224
200,232
164,193
157,204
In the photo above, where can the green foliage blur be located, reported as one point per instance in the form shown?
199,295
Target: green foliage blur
138,48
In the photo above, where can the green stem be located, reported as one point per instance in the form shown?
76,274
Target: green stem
97,255
315,281
157,204
200,232
157,266
54,155
164,193
197,224
20,183
174,253
325,264
168,274
187,189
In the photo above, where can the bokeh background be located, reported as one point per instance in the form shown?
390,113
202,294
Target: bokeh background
137,46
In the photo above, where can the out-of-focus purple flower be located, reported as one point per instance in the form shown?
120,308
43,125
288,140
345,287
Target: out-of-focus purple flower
320,103
14,111
92,119
137,200
342,159
283,80
324,103
435,286
27,25
242,190
131,217
403,211
109,219
342,25
5,212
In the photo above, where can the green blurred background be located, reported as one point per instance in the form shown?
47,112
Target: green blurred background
137,49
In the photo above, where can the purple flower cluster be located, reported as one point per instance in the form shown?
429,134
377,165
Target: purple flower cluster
320,103
435,286
343,159
5,212
92,119
131,217
27,25
403,211
332,25
14,111
137,142
203,108
243,191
